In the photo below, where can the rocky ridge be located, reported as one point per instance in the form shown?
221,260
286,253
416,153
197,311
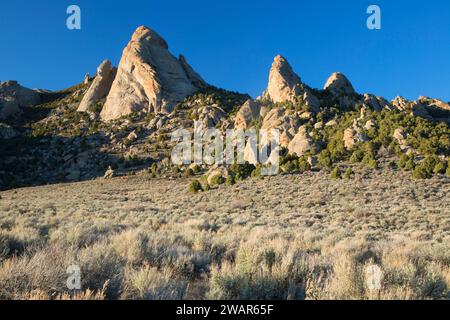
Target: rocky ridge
149,78
121,120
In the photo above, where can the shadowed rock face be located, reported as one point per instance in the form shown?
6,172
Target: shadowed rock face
428,108
13,96
284,84
250,111
100,87
7,132
149,78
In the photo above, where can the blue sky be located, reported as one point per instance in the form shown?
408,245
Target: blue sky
232,43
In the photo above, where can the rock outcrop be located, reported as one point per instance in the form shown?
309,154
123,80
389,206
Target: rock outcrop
311,101
400,137
13,96
87,79
7,132
110,173
352,136
384,104
286,122
372,102
251,152
216,172
301,143
401,103
249,112
100,86
8,107
338,84
434,108
355,133
434,103
149,78
284,84
428,108
370,124
211,116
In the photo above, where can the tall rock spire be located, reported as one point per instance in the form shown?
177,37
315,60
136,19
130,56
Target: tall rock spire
284,84
149,78
338,83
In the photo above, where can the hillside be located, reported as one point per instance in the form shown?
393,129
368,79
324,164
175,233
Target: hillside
66,136
147,238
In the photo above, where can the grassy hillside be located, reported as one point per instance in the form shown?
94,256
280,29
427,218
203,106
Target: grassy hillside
286,237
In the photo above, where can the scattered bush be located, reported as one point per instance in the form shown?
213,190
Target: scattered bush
290,167
406,162
176,170
357,156
149,283
421,172
348,173
303,164
196,169
324,159
102,267
195,186
217,180
230,180
370,161
242,171
440,168
259,274
189,172
336,173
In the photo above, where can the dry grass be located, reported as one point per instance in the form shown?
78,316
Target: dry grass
285,237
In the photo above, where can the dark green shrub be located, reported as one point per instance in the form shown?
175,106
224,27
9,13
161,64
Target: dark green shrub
439,168
242,171
324,159
195,186
425,169
370,161
257,172
336,173
196,169
217,180
153,169
176,170
303,164
230,180
348,173
421,172
357,156
403,160
288,158
410,165
290,167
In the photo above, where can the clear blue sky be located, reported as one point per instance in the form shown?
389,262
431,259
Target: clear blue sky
232,43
